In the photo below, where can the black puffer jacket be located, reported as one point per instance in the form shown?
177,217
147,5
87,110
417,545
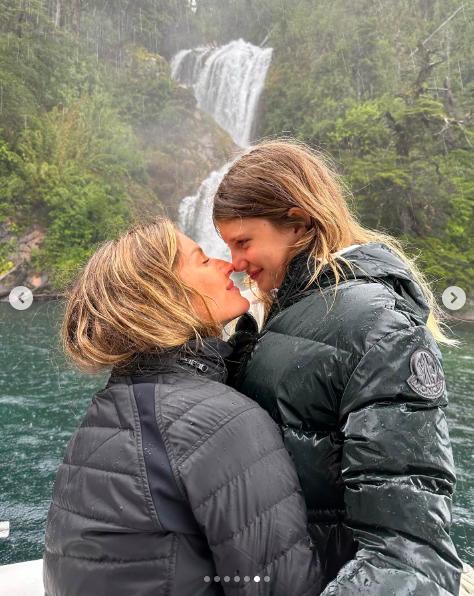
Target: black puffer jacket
359,394
172,479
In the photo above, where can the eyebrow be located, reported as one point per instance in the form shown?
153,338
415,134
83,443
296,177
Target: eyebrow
198,248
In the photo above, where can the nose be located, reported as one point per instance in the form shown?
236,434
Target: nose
226,267
240,264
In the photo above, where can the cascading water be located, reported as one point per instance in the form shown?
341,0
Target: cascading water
227,82
195,217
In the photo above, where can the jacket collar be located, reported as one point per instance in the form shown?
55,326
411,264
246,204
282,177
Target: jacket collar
296,279
374,261
204,359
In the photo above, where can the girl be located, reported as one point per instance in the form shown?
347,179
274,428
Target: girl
347,364
174,484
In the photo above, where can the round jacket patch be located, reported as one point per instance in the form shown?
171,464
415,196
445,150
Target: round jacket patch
427,379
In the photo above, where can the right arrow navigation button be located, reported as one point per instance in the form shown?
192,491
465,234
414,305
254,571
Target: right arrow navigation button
454,298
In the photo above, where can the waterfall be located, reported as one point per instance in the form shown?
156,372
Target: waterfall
195,217
227,82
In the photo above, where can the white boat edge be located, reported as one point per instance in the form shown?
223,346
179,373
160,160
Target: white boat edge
22,579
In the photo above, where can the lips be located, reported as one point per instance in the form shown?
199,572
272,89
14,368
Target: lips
255,274
232,286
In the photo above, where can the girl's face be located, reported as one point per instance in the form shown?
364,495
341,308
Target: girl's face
259,249
211,278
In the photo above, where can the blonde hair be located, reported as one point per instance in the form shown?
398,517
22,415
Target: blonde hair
275,175
129,299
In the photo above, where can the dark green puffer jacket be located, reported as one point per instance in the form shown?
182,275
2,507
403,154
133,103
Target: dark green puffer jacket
359,394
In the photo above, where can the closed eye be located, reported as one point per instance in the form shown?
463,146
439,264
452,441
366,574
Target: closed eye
207,261
241,242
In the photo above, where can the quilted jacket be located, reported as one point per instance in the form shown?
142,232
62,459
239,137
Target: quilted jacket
355,382
176,485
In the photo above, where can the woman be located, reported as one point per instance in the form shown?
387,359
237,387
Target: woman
348,365
174,484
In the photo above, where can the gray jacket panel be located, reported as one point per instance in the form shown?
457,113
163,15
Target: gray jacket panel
111,527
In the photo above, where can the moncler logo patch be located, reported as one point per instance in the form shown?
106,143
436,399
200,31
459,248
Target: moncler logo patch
427,379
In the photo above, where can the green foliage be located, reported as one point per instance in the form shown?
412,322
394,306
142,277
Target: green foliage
6,250
69,159
72,170
5,265
143,90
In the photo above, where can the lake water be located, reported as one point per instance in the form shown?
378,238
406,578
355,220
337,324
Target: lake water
42,402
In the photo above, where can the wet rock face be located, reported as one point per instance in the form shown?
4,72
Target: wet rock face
181,156
181,144
15,277
29,241
21,273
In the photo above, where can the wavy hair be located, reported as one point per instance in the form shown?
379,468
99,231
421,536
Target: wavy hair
129,300
270,178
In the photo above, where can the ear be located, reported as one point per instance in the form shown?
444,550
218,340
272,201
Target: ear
300,214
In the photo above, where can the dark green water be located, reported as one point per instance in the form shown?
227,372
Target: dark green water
42,402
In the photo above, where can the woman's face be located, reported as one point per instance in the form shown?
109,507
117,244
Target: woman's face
211,278
259,249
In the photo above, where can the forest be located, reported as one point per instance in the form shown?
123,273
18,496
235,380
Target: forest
94,132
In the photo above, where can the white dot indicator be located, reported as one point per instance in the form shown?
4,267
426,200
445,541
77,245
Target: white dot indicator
246,578
256,579
207,578
217,578
266,578
236,578
226,578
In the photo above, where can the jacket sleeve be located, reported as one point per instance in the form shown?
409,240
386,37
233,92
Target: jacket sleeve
246,497
398,470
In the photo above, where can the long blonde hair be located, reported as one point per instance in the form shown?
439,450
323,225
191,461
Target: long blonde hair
270,178
129,299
